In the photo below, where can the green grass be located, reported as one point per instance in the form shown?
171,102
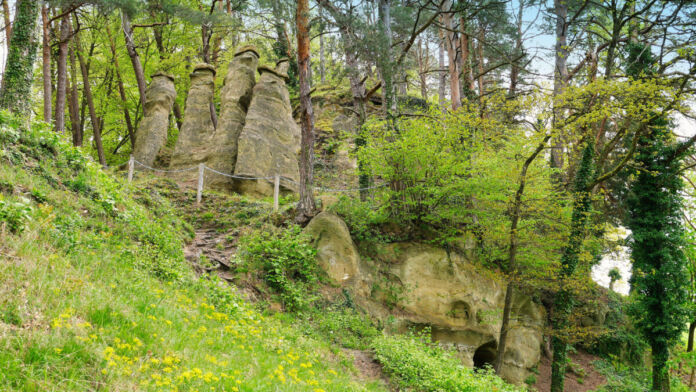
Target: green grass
95,293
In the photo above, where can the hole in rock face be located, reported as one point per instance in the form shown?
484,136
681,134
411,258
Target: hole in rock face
485,355
460,310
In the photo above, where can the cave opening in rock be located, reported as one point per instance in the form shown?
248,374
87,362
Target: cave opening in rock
485,355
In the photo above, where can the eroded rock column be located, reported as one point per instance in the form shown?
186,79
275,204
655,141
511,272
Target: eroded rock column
235,99
270,140
151,135
195,136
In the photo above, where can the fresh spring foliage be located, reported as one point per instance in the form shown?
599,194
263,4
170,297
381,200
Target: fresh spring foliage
96,291
287,261
416,363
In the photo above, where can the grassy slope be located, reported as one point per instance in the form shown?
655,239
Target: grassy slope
95,293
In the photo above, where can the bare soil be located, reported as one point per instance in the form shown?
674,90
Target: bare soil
591,380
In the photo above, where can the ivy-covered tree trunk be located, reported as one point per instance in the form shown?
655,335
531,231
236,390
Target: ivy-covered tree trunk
15,94
659,278
563,302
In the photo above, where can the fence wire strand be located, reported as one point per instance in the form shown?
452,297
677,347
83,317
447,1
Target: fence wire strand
249,177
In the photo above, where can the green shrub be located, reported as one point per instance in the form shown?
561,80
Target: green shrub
287,262
361,217
344,326
621,338
14,214
415,363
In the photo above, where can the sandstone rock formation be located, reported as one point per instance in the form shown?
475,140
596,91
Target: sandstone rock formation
235,99
337,254
151,135
460,303
270,140
195,136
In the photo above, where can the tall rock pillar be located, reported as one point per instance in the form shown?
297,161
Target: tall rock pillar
151,135
195,136
235,99
270,140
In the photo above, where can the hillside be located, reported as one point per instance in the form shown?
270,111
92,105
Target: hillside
97,294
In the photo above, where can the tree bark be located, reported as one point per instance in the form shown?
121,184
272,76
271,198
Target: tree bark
8,23
74,103
690,343
467,71
560,75
452,43
46,62
322,58
87,89
306,207
515,213
135,58
15,93
121,88
442,74
384,59
62,74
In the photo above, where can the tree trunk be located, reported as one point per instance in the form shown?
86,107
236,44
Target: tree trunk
135,58
322,57
121,88
515,213
62,74
422,56
560,75
442,73
481,77
15,94
690,343
563,302
46,62
452,43
515,67
8,23
384,59
74,104
87,88
467,71
306,207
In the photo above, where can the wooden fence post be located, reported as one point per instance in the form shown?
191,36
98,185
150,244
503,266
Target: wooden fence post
131,168
276,192
201,172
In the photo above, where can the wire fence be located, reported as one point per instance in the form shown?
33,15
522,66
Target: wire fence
202,167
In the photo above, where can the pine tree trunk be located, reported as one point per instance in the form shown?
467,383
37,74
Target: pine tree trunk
451,42
306,207
442,73
46,62
15,94
62,73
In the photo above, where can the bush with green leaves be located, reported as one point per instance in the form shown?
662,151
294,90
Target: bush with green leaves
14,214
287,262
416,363
344,326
